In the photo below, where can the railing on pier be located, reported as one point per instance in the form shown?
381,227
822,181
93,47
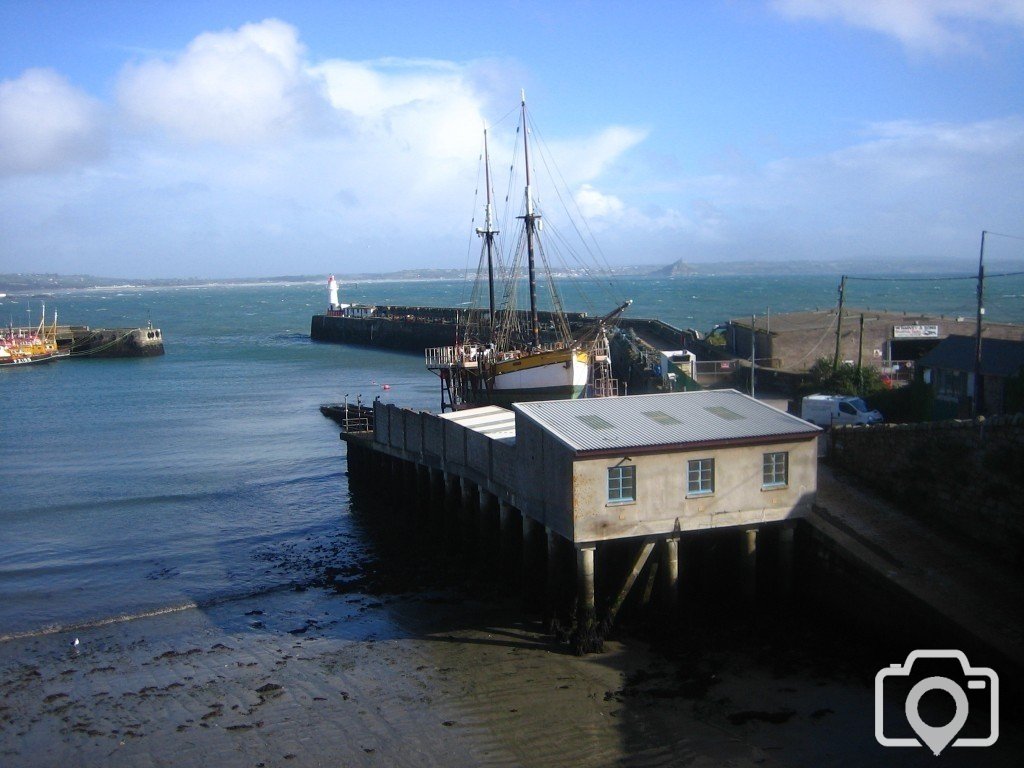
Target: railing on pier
350,417
440,357
604,386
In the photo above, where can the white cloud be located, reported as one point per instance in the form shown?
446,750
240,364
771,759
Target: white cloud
910,188
594,204
47,125
424,108
907,189
235,87
242,149
584,159
934,26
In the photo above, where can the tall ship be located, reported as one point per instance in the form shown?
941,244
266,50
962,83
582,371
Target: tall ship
503,354
22,346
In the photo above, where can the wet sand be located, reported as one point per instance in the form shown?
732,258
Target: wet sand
314,678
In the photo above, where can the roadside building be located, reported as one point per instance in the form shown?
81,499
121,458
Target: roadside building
648,465
594,474
890,341
949,371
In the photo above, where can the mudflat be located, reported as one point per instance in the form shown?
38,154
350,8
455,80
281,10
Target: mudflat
314,678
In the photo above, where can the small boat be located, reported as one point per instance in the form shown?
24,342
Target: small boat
22,346
504,356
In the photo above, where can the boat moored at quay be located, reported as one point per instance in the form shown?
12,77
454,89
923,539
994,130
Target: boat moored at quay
24,346
19,346
501,355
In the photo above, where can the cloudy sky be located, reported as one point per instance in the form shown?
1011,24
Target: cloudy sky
257,138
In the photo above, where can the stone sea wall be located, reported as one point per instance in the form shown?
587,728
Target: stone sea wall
412,329
966,476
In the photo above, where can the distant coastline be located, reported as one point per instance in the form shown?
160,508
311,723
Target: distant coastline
15,284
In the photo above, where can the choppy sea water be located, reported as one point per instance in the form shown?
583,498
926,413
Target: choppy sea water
137,486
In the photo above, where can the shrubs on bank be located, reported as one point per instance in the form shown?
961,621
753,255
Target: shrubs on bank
910,403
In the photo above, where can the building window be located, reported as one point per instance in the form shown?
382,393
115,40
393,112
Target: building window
621,484
700,477
950,384
775,469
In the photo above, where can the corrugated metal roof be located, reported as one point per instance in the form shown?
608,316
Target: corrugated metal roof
649,421
490,420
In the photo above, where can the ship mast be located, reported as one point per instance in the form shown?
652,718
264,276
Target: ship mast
530,220
487,233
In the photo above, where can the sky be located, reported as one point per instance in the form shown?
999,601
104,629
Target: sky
226,138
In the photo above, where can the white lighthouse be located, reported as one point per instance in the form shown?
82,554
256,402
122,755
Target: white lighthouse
332,290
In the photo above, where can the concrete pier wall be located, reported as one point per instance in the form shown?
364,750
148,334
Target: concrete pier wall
410,329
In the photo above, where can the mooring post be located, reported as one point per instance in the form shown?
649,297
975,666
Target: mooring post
506,538
452,491
436,492
466,512
409,495
671,577
586,635
379,460
554,588
487,527
394,479
531,573
749,563
423,494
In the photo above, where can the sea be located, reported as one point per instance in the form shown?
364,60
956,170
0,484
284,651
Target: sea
133,487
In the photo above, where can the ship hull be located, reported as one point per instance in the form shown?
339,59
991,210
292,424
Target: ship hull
553,375
13,360
505,397
557,369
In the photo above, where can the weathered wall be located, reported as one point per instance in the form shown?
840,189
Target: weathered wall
662,504
541,477
964,475
413,335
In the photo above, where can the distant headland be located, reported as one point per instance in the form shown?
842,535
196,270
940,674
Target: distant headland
21,283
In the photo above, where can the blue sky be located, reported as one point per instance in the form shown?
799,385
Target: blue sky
262,138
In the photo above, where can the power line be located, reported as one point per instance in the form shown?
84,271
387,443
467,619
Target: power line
930,279
1000,234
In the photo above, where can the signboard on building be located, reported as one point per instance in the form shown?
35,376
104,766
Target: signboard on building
915,331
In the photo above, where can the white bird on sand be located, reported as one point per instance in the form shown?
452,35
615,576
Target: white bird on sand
75,644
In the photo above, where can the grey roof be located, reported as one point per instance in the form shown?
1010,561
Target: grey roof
999,357
492,421
670,419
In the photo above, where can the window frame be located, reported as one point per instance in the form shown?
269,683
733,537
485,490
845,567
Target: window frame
617,476
698,466
770,464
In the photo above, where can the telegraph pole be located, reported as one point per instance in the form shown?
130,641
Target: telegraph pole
979,390
753,358
839,323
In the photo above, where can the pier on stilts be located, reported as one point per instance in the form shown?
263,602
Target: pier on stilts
590,518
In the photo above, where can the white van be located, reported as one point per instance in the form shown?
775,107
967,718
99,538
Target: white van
826,410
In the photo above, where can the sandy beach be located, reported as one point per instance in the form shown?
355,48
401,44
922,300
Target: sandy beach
313,678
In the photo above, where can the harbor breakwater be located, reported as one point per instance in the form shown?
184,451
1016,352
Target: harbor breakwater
82,341
409,329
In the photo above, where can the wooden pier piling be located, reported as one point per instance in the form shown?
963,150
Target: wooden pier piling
457,483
